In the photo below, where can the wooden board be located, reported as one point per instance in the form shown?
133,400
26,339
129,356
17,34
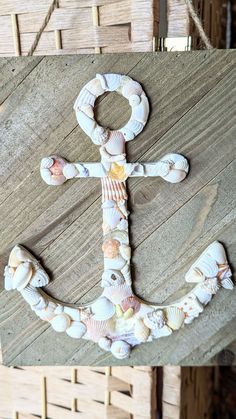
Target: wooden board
193,112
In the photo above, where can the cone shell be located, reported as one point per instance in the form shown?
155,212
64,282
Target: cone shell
116,294
141,331
113,190
22,275
111,277
40,278
98,329
120,349
105,344
61,322
130,302
102,309
227,283
76,330
175,317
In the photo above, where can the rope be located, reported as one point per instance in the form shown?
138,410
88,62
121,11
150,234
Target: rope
44,24
198,24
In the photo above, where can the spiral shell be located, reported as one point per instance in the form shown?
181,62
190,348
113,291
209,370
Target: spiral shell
227,283
76,330
175,317
111,277
105,343
102,308
141,331
116,294
120,349
22,276
155,319
61,322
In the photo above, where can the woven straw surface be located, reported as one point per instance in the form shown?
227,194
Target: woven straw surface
77,26
63,392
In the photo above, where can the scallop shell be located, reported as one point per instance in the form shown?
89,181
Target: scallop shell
102,308
112,277
117,294
131,88
61,322
70,171
155,319
116,143
105,344
131,129
112,216
40,278
141,331
130,302
203,296
84,98
32,296
227,283
76,330
120,349
117,172
98,329
208,267
74,313
22,276
141,111
113,190
194,275
175,317
87,124
109,82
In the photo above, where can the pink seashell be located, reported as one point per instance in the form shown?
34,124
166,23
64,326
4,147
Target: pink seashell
113,190
97,329
116,294
130,302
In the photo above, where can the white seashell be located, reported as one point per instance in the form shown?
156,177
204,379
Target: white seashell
175,174
175,317
102,309
181,164
88,110
22,276
87,124
111,216
134,100
125,251
164,331
120,349
118,293
155,319
123,225
100,135
41,304
227,283
61,322
18,255
8,276
47,162
53,176
141,111
84,98
110,82
217,252
76,330
48,312
116,263
73,313
211,285
40,278
131,129
59,309
194,275
141,331
105,344
94,86
203,296
32,296
120,235
112,277
130,88
70,171
208,266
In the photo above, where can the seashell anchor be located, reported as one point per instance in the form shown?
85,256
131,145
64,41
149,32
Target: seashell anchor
117,320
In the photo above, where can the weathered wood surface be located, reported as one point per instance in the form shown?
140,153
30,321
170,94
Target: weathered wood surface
193,112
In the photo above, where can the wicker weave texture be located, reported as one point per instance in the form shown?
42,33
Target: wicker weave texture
63,392
77,26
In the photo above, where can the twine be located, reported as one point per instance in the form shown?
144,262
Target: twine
44,24
198,24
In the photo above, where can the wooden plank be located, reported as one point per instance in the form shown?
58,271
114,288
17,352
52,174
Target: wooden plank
193,98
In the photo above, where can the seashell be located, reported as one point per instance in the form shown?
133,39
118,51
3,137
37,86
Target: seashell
194,275
88,110
18,255
120,349
125,251
141,111
175,317
22,276
94,86
159,333
54,174
203,296
181,164
211,285
131,129
155,319
130,302
113,190
141,331
134,100
123,225
102,308
217,252
111,216
8,276
129,313
41,304
105,344
116,143
59,309
47,313
121,236
208,267
119,311
61,322
191,307
163,168
132,88
175,174
116,263
117,172
87,124
117,294
74,313
98,329
32,296
100,135
112,277
70,171
110,248
76,330
47,162
227,283
84,98
40,278
109,82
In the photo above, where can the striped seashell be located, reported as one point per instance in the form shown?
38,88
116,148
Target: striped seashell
102,308
76,330
61,322
113,190
227,283
203,296
117,294
74,313
84,98
155,319
40,278
131,129
87,124
112,277
120,349
105,344
130,302
22,276
175,317
141,111
132,88
211,285
208,266
141,331
88,110
98,329
116,143
32,296
109,82
111,215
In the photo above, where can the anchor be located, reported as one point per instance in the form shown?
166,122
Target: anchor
118,320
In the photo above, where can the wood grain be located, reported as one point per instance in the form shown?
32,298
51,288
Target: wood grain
193,112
